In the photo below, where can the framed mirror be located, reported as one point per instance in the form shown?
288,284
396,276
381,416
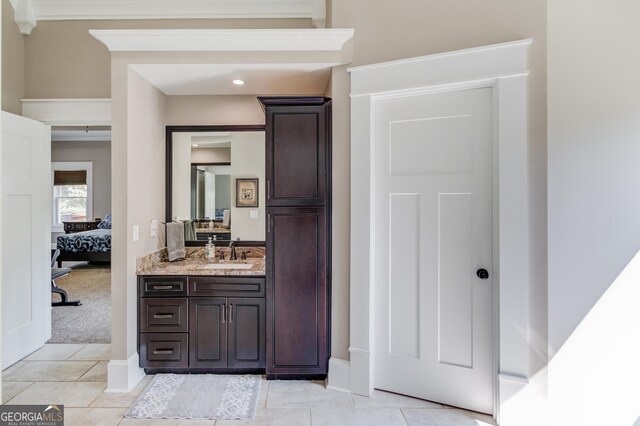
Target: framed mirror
204,166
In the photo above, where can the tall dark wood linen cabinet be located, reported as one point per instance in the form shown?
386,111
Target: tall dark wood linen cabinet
298,174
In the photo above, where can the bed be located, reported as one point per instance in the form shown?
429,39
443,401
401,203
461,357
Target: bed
90,246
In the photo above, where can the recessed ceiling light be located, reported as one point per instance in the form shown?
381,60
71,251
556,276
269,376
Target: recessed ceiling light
195,144
238,82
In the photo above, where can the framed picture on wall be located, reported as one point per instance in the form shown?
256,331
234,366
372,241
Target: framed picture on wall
247,192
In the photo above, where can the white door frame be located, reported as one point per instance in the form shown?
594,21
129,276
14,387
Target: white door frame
502,67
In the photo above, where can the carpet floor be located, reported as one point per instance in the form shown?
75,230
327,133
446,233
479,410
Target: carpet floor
91,321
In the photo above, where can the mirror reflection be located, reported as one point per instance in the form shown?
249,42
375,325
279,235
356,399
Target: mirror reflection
205,168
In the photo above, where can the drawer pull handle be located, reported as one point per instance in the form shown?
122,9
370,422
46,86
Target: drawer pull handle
224,314
162,287
230,313
163,351
163,315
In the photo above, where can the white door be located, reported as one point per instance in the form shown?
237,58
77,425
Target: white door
432,233
26,237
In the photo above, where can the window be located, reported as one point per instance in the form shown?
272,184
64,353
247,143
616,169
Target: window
72,192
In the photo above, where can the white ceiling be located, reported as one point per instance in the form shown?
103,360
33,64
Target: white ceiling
216,79
211,139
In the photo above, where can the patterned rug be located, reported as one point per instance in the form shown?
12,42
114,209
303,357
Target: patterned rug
198,396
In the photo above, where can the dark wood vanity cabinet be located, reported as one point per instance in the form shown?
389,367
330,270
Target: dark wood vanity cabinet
227,332
208,332
297,290
297,137
298,170
202,323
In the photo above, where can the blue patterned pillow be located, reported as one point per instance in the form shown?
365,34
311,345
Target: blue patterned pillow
105,223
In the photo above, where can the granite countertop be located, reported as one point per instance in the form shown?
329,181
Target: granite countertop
196,264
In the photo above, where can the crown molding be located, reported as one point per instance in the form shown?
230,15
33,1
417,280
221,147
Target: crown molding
29,12
269,40
24,15
69,112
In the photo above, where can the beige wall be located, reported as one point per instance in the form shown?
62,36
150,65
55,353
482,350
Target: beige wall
181,176
64,61
13,62
248,161
594,231
385,31
210,155
138,155
213,110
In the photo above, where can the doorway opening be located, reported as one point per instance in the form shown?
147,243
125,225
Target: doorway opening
81,234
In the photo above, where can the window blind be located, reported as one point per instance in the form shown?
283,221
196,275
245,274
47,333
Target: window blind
70,177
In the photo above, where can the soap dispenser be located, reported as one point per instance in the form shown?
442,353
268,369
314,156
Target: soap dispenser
210,250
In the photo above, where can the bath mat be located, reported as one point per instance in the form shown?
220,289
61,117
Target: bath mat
198,396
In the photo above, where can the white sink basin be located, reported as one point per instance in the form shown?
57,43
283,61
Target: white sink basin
227,266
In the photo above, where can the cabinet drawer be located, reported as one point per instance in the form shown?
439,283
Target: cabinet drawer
222,286
162,286
168,350
164,315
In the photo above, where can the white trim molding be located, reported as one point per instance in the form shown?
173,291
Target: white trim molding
68,112
250,40
48,10
123,375
28,12
338,377
24,15
503,68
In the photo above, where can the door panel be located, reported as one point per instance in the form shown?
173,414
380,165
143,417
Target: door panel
246,332
296,154
207,332
455,337
432,231
296,288
404,278
26,241
296,145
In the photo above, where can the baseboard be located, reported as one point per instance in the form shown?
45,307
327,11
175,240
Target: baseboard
339,375
360,371
123,375
519,406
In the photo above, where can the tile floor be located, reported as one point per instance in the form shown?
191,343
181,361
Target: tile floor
75,375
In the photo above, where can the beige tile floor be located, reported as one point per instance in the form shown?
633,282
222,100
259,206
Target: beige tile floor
75,375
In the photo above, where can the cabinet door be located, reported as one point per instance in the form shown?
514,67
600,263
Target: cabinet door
297,153
207,332
246,332
297,327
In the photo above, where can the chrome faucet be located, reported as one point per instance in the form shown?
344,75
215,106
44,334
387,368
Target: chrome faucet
233,255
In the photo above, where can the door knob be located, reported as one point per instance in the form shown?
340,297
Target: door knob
483,274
